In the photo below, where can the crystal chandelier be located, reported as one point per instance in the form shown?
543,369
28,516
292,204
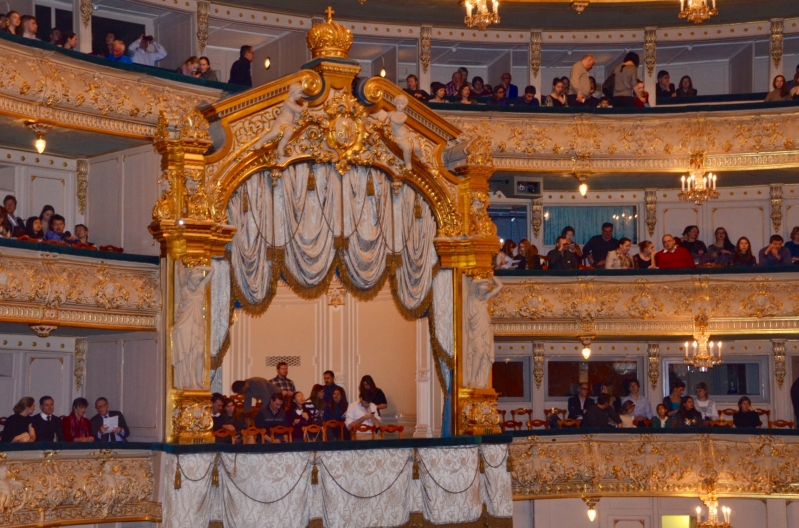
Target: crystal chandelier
697,11
478,15
703,357
713,520
698,187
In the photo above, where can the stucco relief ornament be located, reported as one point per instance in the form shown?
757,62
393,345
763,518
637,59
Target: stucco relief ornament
399,132
644,304
761,302
188,334
109,293
480,349
286,122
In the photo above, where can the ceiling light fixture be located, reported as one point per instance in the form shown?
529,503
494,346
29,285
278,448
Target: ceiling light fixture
478,15
586,340
40,129
697,186
702,358
382,72
591,502
267,63
697,11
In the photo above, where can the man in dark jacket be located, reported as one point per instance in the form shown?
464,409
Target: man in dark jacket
46,424
101,430
561,258
601,414
795,400
240,71
580,403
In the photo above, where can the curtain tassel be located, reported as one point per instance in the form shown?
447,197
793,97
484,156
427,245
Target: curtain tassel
311,181
482,463
245,202
215,474
417,210
314,475
370,186
508,464
415,466
177,476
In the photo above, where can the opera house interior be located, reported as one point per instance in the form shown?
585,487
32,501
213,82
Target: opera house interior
371,263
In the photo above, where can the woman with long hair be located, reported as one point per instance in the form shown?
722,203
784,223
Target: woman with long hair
300,415
572,246
675,399
377,397
465,94
69,40
13,21
703,404
646,255
317,399
190,68
33,228
743,253
528,256
686,88
626,77
697,248
687,415
47,213
18,426
557,98
780,90
498,97
231,423
505,255
722,250
336,410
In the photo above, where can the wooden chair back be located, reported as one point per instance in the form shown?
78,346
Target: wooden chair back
764,412
646,422
363,428
281,430
727,412
568,423
557,412
776,424
720,423
224,433
310,433
520,412
256,408
391,428
511,424
333,424
537,423
238,405
253,432
502,413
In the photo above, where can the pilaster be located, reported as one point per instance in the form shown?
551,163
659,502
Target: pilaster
775,65
425,55
82,22
534,66
650,62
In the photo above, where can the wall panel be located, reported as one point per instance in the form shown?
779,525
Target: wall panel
142,395
105,200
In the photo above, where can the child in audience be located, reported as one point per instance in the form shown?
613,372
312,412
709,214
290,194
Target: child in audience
33,228
660,421
45,216
82,234
57,224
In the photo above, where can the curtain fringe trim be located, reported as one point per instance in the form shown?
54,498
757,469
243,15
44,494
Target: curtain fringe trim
417,520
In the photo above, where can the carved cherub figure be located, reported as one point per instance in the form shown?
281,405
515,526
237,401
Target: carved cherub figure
7,489
285,122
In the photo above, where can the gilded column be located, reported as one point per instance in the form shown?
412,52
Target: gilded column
653,354
651,204
203,10
778,348
776,47
534,73
82,177
425,54
775,194
82,22
650,60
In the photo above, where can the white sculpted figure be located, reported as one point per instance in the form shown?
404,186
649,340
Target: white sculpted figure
7,489
188,335
480,350
401,133
289,115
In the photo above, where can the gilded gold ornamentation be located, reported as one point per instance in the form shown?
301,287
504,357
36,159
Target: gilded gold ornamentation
644,304
651,204
82,177
480,223
778,349
537,215
758,133
584,134
329,39
650,47
653,354
479,414
775,194
425,41
534,305
538,363
640,139
108,293
203,10
80,362
777,32
191,419
761,302
479,152
86,9
336,293
535,51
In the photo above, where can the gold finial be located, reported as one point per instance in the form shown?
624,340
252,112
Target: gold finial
329,39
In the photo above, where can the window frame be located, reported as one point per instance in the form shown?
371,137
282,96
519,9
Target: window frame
763,362
526,362
640,361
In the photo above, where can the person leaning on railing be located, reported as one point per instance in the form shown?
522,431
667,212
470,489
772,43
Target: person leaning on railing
18,427
780,90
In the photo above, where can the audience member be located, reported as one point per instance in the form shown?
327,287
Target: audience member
664,87
566,85
794,93
645,258
625,79
626,414
687,415
795,401
557,98
641,95
118,53
577,405
28,27
17,224
228,421
673,256
675,399
376,396
746,416
205,70
69,41
601,414
13,23
686,88
792,244
82,235
317,399
661,420
593,100
791,84
643,409
55,36
76,427
504,259
561,258
697,248
282,382
528,99
604,103
57,232
580,82
464,94
722,250
102,430
597,248
780,90
33,228
703,404
6,230
47,426
499,97
258,388
330,386
479,88
18,427
217,406
364,411
620,258
774,254
190,67
240,70
743,253
572,246
511,90
336,409
439,92
146,51
455,84
299,415
528,256
272,414
412,82
110,37
607,388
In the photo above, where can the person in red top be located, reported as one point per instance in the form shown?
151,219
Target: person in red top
673,256
76,426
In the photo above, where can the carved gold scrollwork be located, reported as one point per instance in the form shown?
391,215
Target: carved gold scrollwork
653,354
203,11
651,204
650,45
538,363
535,51
778,349
777,34
480,223
761,302
775,194
425,41
80,362
82,177
643,304
534,305
191,419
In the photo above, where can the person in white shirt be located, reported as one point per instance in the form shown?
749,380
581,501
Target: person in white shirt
703,404
643,409
146,51
362,412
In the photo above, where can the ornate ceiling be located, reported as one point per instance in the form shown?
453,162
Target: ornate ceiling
527,14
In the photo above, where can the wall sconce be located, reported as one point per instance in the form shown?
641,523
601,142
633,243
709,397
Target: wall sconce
382,72
267,63
40,129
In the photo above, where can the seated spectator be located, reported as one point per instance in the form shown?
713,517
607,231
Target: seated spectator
55,36
696,247
82,235
794,93
455,84
77,427
661,420
557,98
45,216
412,82
190,67
28,27
561,258
146,51
722,250
774,254
573,246
746,416
376,396
6,230
673,256
703,404
577,405
597,248
626,415
511,90
18,427
364,411
217,406
643,409
464,95
686,88
13,22
792,244
439,92
317,399
57,233
118,53
620,258
645,258
607,388
272,415
336,409
504,259
205,70
566,85
594,98
528,256
3,22
664,88
101,428
528,99
330,386
227,420
241,71
780,90
641,95
625,79
69,41
499,97
47,426
299,415
601,414
604,103
480,88
33,228
743,253
110,37
792,84
687,415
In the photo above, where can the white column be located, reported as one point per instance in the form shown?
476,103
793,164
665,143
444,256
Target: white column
424,381
424,55
776,513
534,64
82,24
775,64
650,63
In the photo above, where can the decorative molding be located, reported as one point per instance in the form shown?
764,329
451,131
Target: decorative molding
535,51
651,204
778,349
425,46
650,48
653,354
579,6
538,363
86,9
777,33
80,362
82,176
203,10
537,215
775,193
336,293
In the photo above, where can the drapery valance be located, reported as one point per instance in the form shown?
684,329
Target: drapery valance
314,221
